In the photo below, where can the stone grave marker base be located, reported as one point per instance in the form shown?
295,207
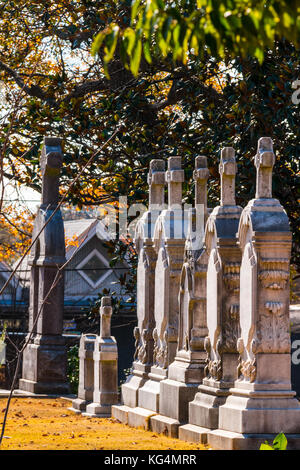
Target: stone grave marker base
227,440
192,433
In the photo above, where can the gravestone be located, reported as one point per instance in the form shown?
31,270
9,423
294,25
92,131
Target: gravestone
86,373
105,357
45,357
222,306
143,356
262,402
169,239
186,372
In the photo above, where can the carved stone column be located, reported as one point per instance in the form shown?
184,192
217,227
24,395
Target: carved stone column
261,401
222,304
186,372
105,358
45,358
169,239
143,357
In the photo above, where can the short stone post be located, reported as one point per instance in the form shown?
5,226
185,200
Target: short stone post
186,372
86,373
169,239
45,357
222,305
105,366
262,403
143,357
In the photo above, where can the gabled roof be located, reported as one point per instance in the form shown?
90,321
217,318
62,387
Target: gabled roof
77,233
82,230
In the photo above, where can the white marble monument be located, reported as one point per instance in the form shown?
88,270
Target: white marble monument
222,302
143,357
186,372
262,403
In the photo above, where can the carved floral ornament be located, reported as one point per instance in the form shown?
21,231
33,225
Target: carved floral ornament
274,273
246,367
213,368
210,235
158,235
231,276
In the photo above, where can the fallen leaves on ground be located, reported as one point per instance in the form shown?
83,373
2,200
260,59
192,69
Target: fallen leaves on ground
59,428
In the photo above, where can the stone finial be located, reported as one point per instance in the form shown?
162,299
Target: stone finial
200,175
105,317
174,178
227,170
156,181
51,163
264,162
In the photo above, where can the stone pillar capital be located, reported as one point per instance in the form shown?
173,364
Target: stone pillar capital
51,164
105,317
200,176
156,182
264,162
227,170
174,176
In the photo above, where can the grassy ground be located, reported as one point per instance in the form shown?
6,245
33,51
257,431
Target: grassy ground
47,424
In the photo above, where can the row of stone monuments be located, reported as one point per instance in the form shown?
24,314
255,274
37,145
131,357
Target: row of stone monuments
212,361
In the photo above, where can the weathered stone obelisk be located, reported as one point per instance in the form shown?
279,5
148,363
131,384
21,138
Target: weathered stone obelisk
222,304
186,372
262,403
143,357
45,359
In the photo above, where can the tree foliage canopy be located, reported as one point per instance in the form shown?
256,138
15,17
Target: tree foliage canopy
51,85
217,27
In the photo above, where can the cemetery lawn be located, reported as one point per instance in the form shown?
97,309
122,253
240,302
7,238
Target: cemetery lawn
47,424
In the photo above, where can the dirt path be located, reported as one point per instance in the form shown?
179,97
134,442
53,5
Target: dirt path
47,424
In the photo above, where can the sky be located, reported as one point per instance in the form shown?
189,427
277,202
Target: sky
25,196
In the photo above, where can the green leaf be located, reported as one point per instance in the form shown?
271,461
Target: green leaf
97,43
147,53
136,58
134,8
266,447
249,24
280,442
259,54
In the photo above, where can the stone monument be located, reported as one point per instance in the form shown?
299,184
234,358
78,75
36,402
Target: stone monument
262,403
169,241
186,372
105,358
222,306
45,357
143,357
86,373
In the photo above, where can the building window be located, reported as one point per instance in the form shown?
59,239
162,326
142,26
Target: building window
94,268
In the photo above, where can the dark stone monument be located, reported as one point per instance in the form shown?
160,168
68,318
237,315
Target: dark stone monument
45,357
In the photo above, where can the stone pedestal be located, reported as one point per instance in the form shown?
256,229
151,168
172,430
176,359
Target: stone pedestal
169,240
186,372
45,357
105,358
44,366
222,303
86,373
143,357
261,401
